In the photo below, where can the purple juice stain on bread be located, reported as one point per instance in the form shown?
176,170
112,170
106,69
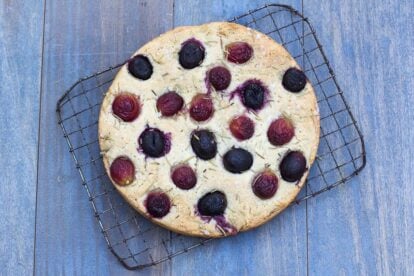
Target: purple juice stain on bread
212,206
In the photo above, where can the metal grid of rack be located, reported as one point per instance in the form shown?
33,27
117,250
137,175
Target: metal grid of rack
138,243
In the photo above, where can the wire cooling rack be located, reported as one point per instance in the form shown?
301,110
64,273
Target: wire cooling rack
138,243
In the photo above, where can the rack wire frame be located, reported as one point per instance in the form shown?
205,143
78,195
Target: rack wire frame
135,241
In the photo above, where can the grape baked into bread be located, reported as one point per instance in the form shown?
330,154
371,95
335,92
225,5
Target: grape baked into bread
209,130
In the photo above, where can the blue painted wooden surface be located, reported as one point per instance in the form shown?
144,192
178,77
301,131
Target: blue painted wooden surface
367,226
21,33
363,227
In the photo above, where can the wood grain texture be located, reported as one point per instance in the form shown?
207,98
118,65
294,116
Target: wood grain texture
21,24
366,227
278,247
81,37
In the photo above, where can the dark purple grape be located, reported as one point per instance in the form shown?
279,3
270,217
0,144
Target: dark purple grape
237,160
140,67
184,177
265,185
203,143
212,204
219,77
294,80
253,95
201,108
158,204
293,166
191,54
152,141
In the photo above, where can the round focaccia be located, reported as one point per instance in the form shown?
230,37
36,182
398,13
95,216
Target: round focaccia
209,130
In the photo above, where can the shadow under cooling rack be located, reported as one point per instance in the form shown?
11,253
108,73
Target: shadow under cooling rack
138,243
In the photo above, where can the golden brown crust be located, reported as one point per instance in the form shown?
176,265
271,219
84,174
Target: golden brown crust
245,210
